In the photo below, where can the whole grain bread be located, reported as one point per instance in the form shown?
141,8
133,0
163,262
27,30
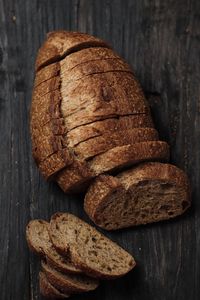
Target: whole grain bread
147,193
69,283
39,242
91,251
125,156
94,146
61,43
48,290
98,128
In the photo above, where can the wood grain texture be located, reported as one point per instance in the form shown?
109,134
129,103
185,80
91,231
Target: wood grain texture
161,41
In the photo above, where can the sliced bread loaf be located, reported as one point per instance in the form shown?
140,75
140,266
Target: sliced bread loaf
98,128
128,155
147,193
91,251
48,290
69,283
39,242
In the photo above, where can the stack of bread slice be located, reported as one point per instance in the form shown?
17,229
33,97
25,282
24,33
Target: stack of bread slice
74,255
89,114
90,117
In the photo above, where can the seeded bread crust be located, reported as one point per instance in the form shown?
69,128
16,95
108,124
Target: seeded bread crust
61,43
106,192
48,290
39,242
69,283
91,251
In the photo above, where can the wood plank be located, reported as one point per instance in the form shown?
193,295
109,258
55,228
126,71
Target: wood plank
161,41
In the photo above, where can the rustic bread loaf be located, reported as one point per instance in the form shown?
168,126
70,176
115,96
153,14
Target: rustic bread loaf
69,283
147,193
48,290
92,252
39,242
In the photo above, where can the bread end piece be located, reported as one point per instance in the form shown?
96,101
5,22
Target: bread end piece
147,193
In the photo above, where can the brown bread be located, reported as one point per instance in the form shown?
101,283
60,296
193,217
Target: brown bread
148,193
39,242
48,290
69,283
128,155
94,146
61,43
98,128
90,250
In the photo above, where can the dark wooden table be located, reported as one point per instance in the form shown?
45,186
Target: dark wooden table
161,40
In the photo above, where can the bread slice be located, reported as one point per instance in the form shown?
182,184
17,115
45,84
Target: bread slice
73,60
94,146
69,283
91,251
98,128
92,67
75,178
48,290
47,86
87,55
148,193
125,156
61,43
105,95
39,242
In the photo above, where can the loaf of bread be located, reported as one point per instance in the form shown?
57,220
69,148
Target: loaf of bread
73,253
90,117
86,102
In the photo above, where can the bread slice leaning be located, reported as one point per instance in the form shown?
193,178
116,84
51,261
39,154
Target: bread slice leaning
91,251
148,193
69,283
39,242
48,290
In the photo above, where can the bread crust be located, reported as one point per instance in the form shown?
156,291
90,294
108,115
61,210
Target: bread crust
105,95
60,43
98,128
95,146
